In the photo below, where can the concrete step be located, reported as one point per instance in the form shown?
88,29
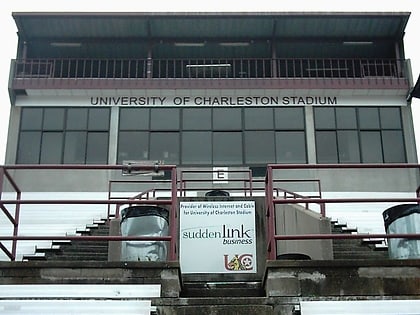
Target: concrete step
79,257
77,250
222,289
356,248
368,255
85,249
215,308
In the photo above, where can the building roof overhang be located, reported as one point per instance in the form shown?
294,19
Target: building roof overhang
94,33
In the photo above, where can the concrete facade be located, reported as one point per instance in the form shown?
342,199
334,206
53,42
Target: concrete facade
286,283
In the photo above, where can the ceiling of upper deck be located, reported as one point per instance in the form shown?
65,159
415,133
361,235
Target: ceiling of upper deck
217,35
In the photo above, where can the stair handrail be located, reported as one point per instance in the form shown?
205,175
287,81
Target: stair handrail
136,197
271,201
17,202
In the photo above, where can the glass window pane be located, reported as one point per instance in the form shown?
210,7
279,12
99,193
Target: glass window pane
31,119
394,149
289,118
227,119
98,119
258,118
51,147
75,147
97,148
368,118
370,145
324,117
134,118
196,118
258,151
29,147
346,118
196,147
53,119
326,147
227,148
348,146
165,146
390,118
133,145
164,119
290,147
77,119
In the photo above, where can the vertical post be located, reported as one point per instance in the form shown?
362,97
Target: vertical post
149,64
16,225
1,180
250,183
109,205
270,214
173,216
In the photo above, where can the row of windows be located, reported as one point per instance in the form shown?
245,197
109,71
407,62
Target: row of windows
64,135
213,147
206,136
354,135
222,118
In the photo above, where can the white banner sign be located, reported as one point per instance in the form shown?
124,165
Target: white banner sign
217,237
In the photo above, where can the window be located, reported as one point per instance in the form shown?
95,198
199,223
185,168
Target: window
164,119
53,135
165,146
227,119
290,147
260,118
253,136
196,147
354,135
196,119
290,140
258,151
133,145
227,148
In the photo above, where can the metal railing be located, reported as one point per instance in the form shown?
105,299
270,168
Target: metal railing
274,195
287,194
170,201
234,68
272,201
198,181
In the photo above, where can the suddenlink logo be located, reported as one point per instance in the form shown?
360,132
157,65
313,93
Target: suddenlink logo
229,235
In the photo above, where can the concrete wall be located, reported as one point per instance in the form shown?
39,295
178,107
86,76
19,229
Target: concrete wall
94,272
295,220
286,283
333,180
341,278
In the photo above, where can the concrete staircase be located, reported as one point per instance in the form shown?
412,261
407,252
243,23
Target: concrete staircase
98,251
201,297
366,248
76,250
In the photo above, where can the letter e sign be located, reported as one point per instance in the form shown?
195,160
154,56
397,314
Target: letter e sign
220,175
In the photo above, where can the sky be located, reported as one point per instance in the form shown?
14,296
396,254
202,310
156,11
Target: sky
8,28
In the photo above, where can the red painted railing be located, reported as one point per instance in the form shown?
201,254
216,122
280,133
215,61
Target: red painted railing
171,202
209,68
271,202
175,188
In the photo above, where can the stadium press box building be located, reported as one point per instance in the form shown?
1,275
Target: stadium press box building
218,135
218,92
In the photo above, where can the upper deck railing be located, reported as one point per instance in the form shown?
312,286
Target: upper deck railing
229,68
